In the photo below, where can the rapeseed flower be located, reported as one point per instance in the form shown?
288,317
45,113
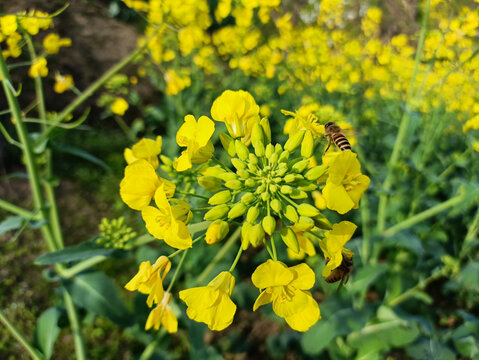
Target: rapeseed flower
345,184
63,83
52,43
163,315
239,111
8,24
38,68
211,304
196,137
285,288
147,149
119,106
333,245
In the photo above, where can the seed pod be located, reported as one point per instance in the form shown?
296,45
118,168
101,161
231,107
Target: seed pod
266,130
256,235
247,198
307,210
245,235
216,232
234,184
294,141
209,183
269,224
221,197
289,238
276,205
316,172
252,214
217,212
237,210
228,144
238,164
300,166
241,150
291,214
307,146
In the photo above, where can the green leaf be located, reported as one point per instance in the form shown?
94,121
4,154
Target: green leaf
81,154
46,331
465,338
365,276
469,276
11,223
97,293
78,252
430,349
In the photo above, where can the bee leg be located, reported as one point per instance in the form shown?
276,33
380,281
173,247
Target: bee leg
329,144
340,285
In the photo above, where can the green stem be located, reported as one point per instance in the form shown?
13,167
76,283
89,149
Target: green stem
238,255
172,255
146,354
219,255
29,158
273,246
365,221
82,265
38,80
470,236
30,215
191,194
75,326
267,248
427,213
34,353
175,275
403,128
9,139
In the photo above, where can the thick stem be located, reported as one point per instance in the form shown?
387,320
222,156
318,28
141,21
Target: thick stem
75,326
83,265
403,127
19,337
30,215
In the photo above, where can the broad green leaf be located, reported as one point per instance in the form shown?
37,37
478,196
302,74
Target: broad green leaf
430,349
97,293
318,337
78,252
11,223
46,331
465,339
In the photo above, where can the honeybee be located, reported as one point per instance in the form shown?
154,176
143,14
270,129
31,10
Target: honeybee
334,134
342,272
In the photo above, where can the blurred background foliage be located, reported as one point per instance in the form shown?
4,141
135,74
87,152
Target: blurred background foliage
401,78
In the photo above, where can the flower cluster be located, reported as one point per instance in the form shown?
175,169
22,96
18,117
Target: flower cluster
266,191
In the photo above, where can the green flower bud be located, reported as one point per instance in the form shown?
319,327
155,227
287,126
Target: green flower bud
286,189
266,130
166,160
278,149
247,198
256,235
234,184
282,169
316,172
252,159
269,150
298,194
259,148
294,141
220,198
209,183
241,150
265,196
245,235
289,238
277,179
250,183
291,214
227,176
307,210
307,146
237,210
273,159
252,214
269,224
276,205
215,171
284,156
216,232
304,223
273,188
322,222
289,178
228,144
238,164
257,135
300,166
307,186
217,212
243,174
260,189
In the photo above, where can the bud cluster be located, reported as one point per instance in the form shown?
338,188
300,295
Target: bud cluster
115,233
267,187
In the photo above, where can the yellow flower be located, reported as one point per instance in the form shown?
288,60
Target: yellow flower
149,280
53,42
299,122
196,137
306,246
211,304
472,123
147,149
175,83
38,68
168,222
345,184
216,232
163,314
119,106
239,111
63,83
139,184
8,24
285,288
34,21
333,245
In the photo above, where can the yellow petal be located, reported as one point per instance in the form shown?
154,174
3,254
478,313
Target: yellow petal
304,277
337,198
306,317
143,274
186,133
355,193
263,299
271,273
206,128
183,162
139,184
221,314
291,303
150,216
169,321
178,235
